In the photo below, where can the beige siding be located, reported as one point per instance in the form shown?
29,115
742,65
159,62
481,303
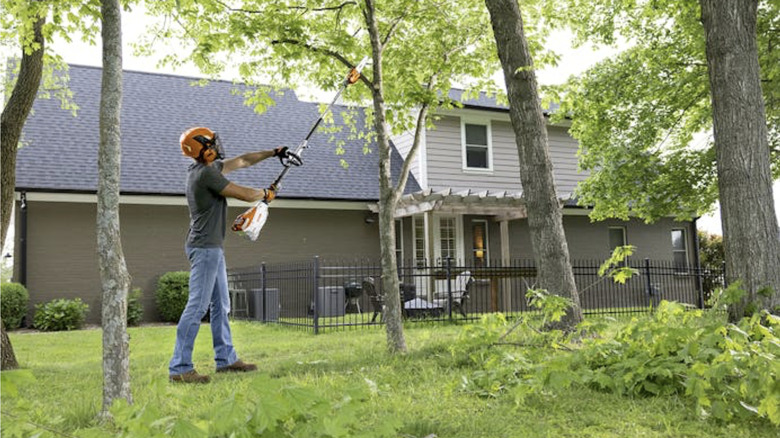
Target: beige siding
403,143
62,261
590,241
445,162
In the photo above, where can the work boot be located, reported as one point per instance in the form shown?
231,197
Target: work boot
238,366
190,376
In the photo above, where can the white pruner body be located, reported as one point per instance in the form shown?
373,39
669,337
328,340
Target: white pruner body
249,223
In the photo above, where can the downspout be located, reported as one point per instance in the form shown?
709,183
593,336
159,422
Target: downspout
697,263
23,239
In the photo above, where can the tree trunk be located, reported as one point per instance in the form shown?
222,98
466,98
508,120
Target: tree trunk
388,199
750,232
536,173
7,351
114,277
14,116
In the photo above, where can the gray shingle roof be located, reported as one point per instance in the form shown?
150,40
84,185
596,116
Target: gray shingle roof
60,152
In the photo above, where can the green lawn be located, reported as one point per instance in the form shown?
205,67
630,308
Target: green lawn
420,390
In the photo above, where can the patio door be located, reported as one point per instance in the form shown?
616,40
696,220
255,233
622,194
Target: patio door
448,239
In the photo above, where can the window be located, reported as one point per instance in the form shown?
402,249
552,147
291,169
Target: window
617,237
480,243
476,146
419,240
447,238
679,250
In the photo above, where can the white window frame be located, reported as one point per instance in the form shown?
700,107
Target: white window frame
685,248
470,120
458,237
415,237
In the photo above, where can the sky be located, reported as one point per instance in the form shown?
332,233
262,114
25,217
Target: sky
572,62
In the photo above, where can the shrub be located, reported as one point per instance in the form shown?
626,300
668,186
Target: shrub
135,309
13,304
172,293
60,314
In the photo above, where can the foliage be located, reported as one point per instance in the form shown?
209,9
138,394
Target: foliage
13,304
60,314
724,370
135,307
286,43
173,290
711,252
419,390
614,267
64,19
276,410
635,114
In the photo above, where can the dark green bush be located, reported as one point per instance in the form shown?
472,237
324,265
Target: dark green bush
13,304
135,309
60,314
173,290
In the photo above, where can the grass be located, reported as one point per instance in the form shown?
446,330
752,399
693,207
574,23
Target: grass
420,390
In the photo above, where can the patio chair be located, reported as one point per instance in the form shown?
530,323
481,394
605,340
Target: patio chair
376,298
460,294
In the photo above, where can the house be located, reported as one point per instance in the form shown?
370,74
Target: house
462,200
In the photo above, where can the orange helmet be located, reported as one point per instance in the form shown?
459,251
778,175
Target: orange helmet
201,144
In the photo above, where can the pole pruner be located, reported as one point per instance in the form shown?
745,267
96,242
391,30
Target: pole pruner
251,222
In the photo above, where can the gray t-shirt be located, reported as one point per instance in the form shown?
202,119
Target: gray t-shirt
208,209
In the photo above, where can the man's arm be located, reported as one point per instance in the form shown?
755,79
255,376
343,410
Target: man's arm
245,160
243,193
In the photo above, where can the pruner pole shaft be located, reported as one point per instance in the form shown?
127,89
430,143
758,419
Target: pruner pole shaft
351,78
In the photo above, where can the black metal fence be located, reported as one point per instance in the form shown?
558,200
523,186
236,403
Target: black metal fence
319,295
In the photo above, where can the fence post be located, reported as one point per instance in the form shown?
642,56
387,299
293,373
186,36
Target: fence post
700,285
723,272
316,282
263,278
649,280
449,286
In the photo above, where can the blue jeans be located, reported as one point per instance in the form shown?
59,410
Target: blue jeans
208,289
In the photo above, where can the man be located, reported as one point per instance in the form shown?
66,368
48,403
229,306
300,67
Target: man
207,189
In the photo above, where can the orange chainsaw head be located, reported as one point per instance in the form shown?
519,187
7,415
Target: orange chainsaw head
201,144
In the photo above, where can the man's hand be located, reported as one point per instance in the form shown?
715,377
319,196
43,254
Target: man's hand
270,193
286,157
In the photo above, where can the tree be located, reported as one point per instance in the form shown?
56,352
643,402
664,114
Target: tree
416,57
114,277
15,113
545,219
24,21
636,115
751,235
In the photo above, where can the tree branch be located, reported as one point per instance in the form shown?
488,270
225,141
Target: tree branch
394,26
338,56
304,8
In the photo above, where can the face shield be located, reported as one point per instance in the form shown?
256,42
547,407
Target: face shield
216,145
